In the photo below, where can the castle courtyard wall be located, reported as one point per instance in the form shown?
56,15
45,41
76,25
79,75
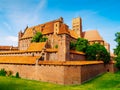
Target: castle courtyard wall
60,74
77,57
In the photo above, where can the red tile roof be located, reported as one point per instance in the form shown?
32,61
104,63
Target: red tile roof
69,62
18,59
76,52
5,47
63,29
92,35
51,50
73,34
36,46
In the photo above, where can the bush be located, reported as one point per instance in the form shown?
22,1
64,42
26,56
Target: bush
117,62
2,72
56,46
9,73
17,75
72,45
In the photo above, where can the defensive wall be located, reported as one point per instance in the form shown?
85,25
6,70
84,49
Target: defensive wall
60,72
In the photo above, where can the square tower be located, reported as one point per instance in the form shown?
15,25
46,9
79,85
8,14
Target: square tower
77,26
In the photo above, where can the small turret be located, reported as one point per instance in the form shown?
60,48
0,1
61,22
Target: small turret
20,34
34,31
61,19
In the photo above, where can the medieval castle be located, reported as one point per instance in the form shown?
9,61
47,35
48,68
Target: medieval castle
43,61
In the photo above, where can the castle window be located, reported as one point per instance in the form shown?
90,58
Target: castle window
56,25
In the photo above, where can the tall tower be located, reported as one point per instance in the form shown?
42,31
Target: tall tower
77,26
63,47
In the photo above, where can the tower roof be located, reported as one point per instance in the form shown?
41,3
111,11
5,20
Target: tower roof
92,35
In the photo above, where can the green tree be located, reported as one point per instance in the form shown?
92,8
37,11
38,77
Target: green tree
72,45
81,44
97,52
117,49
39,37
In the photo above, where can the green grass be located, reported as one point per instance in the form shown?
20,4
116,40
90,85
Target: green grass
106,81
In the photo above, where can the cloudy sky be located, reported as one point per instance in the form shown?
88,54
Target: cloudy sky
101,15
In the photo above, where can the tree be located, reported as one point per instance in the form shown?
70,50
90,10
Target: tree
39,37
81,44
97,52
117,50
72,45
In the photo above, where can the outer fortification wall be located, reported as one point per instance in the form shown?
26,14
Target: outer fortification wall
58,72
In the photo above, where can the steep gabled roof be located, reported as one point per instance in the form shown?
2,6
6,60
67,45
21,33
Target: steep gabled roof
45,28
48,28
29,31
36,46
92,35
63,29
73,34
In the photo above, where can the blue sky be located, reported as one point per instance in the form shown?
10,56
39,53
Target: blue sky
101,15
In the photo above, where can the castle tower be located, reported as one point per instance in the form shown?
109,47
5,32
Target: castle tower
77,26
20,34
63,47
57,25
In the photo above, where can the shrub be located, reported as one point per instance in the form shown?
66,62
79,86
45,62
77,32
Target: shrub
39,37
117,61
9,73
72,45
17,75
2,72
56,46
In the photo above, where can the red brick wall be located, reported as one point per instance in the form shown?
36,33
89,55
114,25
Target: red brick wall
47,73
77,57
90,71
57,73
72,75
111,68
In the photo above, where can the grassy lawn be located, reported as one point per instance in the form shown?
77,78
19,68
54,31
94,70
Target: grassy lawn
107,81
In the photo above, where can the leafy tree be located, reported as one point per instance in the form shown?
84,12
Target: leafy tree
117,49
39,38
81,44
91,53
97,52
72,45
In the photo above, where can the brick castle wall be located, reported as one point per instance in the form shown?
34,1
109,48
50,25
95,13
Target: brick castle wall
90,71
68,74
77,57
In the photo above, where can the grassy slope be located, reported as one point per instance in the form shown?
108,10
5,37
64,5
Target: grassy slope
107,81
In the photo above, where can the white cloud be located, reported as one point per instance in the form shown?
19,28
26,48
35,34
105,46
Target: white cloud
20,19
17,17
9,40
